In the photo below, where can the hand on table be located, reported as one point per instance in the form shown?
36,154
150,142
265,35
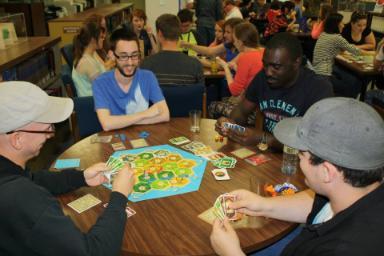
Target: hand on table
224,239
248,202
124,181
94,175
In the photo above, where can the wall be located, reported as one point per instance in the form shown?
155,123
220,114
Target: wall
155,8
139,4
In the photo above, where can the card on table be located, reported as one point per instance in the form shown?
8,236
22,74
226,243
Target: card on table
220,174
243,153
101,139
67,163
84,203
225,162
213,156
179,140
139,143
193,146
203,151
257,159
118,146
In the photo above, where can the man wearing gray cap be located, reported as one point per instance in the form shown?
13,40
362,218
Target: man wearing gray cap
31,219
341,143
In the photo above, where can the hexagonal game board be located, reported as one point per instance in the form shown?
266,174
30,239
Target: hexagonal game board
163,171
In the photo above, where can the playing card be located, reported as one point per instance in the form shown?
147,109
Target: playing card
221,174
139,143
118,146
101,139
238,128
218,209
243,153
193,146
257,159
230,213
84,203
225,162
203,151
179,140
213,156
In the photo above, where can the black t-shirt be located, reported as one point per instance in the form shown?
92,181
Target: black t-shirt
347,34
147,42
276,104
357,230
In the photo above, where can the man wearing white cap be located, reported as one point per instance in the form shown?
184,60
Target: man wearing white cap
341,143
31,219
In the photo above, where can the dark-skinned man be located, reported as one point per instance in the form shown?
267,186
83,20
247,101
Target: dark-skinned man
284,88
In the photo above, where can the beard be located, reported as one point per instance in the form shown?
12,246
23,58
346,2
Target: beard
124,74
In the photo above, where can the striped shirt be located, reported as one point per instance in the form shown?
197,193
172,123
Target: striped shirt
326,49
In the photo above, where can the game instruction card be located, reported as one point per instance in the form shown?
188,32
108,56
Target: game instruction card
84,203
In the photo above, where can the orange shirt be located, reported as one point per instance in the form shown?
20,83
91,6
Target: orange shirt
248,65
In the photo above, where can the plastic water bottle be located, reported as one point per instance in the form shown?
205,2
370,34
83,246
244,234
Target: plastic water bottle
290,160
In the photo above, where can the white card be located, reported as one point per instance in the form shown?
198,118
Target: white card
221,174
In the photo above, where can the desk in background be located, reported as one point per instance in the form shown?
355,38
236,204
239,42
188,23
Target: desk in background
363,70
170,226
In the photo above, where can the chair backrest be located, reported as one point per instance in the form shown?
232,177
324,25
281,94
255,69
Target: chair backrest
67,52
183,98
86,119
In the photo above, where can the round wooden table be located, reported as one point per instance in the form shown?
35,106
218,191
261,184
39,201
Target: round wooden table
170,226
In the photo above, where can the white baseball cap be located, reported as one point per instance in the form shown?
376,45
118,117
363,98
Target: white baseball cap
22,103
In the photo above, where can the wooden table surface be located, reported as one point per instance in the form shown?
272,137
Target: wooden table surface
170,226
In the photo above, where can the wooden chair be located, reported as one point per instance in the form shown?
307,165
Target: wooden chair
84,120
183,98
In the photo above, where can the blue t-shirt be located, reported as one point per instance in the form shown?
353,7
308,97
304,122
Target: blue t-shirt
108,94
229,54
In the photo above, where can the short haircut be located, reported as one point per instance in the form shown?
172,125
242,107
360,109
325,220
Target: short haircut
248,34
140,14
124,34
357,15
231,2
185,15
287,41
275,5
169,25
331,24
356,178
232,22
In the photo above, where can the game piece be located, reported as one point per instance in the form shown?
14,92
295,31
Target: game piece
160,171
221,138
67,163
280,189
144,134
257,159
243,153
139,143
217,138
179,140
220,174
118,146
101,139
84,203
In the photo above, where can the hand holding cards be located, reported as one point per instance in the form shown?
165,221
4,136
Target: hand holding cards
234,127
221,208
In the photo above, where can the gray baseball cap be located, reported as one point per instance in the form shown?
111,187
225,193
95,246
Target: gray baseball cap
22,103
343,131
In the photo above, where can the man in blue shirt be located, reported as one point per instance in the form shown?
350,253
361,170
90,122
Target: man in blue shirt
123,95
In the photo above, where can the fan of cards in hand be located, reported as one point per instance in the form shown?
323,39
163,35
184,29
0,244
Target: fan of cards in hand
234,127
115,164
221,208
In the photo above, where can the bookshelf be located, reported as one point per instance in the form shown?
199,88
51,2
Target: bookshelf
36,60
68,27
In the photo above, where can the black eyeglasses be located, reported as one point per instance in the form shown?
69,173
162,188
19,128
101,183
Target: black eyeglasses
134,56
51,130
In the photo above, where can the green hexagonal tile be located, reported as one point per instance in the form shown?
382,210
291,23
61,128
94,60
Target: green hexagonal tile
141,187
146,155
160,184
169,166
148,177
183,172
165,175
